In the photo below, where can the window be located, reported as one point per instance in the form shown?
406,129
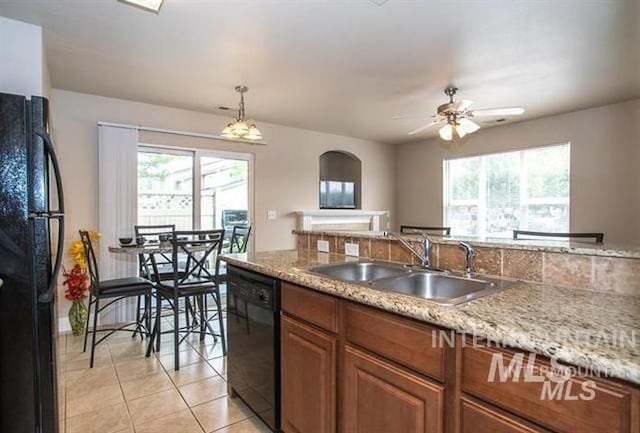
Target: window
193,189
491,195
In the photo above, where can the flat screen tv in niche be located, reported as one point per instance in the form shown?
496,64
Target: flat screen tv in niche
337,194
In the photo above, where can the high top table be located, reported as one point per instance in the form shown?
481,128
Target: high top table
153,248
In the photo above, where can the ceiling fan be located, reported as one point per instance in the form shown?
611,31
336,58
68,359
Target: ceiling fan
456,116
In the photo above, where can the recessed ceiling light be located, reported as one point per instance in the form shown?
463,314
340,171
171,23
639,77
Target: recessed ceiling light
148,5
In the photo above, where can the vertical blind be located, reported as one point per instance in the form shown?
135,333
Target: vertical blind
117,201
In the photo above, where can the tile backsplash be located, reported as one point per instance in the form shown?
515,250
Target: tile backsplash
601,274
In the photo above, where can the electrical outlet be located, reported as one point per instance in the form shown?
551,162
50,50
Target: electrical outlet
323,246
351,249
322,258
271,215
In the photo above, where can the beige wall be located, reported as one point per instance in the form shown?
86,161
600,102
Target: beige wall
286,169
605,167
46,77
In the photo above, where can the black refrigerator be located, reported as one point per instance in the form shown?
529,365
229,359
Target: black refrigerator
31,225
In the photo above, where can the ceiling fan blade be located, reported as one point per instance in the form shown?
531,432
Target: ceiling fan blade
462,105
410,116
507,111
423,127
467,125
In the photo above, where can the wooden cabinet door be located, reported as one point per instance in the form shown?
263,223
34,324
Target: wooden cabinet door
381,398
308,379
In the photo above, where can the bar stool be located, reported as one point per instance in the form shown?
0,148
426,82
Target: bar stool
110,291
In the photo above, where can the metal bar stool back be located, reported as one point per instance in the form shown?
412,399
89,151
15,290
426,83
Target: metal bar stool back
240,238
446,231
156,233
596,237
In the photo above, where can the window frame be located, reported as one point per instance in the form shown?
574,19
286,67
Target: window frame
481,201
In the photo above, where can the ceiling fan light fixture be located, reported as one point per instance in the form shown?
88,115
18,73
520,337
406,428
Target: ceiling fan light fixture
457,115
147,5
446,132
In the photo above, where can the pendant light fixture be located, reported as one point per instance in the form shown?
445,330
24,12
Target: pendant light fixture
241,127
147,5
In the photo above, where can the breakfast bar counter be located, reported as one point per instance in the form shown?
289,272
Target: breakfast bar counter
594,331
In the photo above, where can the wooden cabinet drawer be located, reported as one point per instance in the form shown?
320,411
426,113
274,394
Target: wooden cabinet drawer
315,308
381,398
559,406
401,340
476,417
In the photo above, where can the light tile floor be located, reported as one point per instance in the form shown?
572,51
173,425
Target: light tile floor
126,392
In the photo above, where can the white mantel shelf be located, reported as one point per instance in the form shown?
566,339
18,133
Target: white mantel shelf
307,219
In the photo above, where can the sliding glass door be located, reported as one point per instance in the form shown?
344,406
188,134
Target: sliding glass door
165,188
193,189
224,192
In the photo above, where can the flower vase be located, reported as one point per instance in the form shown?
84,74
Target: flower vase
77,317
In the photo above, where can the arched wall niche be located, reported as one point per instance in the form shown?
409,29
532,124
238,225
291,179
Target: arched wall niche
345,168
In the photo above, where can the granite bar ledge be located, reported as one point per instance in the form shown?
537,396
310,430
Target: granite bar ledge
552,246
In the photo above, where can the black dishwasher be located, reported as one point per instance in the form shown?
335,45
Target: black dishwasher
253,327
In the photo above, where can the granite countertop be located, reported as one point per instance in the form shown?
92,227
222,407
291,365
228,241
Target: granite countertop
607,249
596,331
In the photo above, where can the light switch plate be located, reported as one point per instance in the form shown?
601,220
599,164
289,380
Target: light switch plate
351,249
271,215
323,246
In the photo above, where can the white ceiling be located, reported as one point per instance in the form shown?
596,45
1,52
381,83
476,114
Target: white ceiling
345,66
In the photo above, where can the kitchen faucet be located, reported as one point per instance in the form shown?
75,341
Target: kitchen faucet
425,256
469,253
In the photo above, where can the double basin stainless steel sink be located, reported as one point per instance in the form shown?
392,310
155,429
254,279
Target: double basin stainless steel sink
444,288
